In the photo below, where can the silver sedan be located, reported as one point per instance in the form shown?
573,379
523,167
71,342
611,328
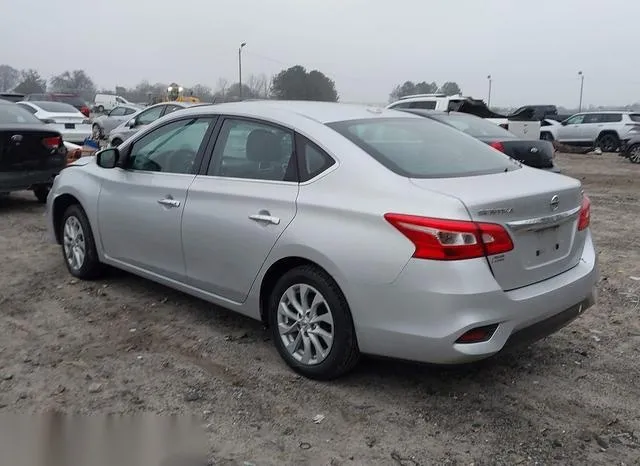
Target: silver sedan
103,124
348,230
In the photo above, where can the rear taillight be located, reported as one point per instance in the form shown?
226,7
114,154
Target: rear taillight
585,213
85,111
497,145
52,142
478,334
440,239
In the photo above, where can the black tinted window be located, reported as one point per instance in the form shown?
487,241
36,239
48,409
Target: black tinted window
423,148
55,107
430,105
71,100
635,117
14,114
594,118
313,160
402,105
611,117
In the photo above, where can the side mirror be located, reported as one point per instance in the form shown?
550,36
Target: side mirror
108,158
563,123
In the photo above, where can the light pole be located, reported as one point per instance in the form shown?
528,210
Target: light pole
489,97
581,89
240,69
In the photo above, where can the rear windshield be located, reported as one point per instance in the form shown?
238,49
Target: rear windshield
71,100
474,126
14,114
423,148
55,107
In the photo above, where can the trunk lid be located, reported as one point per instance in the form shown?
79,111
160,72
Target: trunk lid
540,212
534,153
22,149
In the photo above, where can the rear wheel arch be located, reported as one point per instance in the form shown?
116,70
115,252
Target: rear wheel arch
277,270
606,133
60,206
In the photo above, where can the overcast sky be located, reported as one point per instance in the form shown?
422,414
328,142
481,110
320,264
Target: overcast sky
532,48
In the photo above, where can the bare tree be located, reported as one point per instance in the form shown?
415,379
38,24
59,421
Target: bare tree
220,93
258,84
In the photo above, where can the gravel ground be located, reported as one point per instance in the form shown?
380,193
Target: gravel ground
126,345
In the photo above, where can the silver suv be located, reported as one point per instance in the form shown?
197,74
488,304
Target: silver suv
607,130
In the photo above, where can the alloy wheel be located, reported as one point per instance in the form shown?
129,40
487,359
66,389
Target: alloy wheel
74,243
305,324
634,154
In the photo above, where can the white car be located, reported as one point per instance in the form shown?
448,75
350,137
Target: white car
67,120
103,124
106,102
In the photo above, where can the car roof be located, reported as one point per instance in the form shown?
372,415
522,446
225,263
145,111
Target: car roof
321,112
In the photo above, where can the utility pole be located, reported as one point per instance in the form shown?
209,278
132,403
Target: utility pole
581,89
489,97
240,69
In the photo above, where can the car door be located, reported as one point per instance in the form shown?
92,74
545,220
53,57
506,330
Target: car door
570,129
238,206
140,205
591,126
144,119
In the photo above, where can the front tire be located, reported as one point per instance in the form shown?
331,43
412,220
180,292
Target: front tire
78,245
311,324
633,153
41,192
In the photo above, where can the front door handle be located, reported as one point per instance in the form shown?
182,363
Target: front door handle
265,218
169,202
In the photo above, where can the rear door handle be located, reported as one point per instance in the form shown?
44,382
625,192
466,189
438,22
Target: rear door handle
169,202
265,218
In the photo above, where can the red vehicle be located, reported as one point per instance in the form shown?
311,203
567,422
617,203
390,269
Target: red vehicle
68,98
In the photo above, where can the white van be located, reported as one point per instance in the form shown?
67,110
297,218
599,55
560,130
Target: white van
106,102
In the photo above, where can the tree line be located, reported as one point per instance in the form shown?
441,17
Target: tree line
294,83
423,87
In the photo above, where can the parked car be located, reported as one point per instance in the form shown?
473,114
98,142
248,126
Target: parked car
138,121
607,130
64,118
72,99
31,153
532,152
103,124
11,96
631,149
108,102
447,251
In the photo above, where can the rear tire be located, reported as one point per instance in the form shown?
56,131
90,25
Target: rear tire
633,153
78,245
100,109
307,326
41,192
608,142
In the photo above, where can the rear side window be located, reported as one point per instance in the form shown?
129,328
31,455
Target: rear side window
401,105
423,148
612,117
312,159
635,117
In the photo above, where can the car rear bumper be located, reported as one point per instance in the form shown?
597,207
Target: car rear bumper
77,136
19,180
432,304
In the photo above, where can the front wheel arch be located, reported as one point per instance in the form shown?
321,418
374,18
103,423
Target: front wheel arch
60,206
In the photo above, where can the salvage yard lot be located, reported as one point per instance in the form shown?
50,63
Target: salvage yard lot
124,344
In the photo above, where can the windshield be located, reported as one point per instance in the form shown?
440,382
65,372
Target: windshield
13,114
55,107
423,148
474,126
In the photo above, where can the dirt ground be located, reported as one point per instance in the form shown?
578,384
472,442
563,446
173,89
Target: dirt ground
126,345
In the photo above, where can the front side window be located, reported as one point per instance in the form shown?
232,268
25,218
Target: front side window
423,148
594,118
149,116
172,108
259,151
172,148
575,120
